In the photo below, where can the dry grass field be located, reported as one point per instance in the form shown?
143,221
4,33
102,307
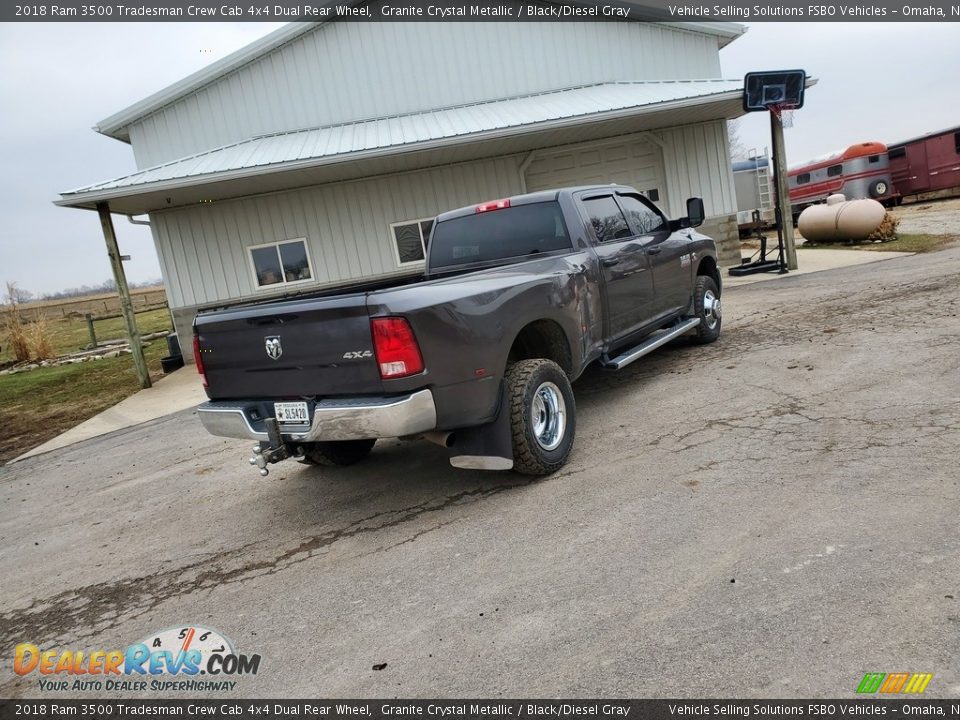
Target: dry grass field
38,405
96,305
70,334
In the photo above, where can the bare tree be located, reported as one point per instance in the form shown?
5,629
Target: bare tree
738,151
16,295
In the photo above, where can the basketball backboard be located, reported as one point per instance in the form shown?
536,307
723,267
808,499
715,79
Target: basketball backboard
773,87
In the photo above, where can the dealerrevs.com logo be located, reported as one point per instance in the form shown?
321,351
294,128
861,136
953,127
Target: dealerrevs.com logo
188,658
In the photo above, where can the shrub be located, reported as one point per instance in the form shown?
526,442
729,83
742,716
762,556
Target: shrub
16,336
887,230
38,335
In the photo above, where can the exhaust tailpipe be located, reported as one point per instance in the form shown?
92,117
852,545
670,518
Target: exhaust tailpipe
443,439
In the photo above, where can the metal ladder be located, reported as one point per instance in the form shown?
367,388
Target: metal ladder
762,178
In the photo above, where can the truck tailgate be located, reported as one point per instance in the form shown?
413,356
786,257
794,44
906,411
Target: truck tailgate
299,348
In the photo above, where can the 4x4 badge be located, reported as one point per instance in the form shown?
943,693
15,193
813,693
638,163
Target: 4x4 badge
274,349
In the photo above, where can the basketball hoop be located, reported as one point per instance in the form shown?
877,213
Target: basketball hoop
784,113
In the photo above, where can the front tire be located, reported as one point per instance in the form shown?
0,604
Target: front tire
336,453
542,416
706,303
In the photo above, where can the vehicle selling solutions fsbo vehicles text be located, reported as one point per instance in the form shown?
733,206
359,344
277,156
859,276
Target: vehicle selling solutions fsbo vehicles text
757,11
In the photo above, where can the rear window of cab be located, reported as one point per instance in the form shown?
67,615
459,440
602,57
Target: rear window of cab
512,232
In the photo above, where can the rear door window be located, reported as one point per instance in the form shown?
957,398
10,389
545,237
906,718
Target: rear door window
608,222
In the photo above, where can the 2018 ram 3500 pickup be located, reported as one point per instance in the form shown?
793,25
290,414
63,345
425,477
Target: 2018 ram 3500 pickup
519,296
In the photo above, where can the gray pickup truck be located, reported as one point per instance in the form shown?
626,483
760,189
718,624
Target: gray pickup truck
478,354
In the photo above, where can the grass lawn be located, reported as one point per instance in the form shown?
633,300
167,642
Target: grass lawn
904,243
38,405
70,334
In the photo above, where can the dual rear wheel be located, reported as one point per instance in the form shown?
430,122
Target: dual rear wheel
543,419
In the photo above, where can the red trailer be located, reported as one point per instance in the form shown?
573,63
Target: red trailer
928,166
859,171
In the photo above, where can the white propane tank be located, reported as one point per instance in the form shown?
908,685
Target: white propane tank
841,219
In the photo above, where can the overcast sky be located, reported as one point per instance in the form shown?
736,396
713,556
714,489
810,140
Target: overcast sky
878,81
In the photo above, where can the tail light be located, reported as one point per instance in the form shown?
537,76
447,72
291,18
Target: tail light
396,347
198,359
494,205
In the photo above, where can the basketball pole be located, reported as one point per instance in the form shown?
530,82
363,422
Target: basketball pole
784,211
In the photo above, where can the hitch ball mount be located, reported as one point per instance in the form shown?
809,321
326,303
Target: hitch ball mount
273,450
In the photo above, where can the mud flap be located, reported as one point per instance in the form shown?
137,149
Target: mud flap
485,447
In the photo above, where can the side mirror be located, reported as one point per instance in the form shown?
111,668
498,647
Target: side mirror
695,213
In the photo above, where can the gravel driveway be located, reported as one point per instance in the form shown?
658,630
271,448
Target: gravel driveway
939,217
773,515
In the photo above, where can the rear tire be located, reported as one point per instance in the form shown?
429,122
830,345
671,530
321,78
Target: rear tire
336,453
543,419
706,303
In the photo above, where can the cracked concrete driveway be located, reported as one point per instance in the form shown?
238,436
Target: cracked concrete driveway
772,515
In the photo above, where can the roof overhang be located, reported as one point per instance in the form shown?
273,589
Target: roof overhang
725,32
133,195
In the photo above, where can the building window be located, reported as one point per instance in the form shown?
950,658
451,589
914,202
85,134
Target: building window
803,178
410,240
282,263
834,170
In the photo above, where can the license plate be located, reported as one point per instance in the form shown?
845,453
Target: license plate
291,412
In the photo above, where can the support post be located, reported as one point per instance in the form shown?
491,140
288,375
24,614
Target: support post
784,211
126,304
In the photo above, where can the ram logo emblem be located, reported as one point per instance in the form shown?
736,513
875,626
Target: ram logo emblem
273,347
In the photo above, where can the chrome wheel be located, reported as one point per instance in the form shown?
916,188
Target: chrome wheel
548,416
712,311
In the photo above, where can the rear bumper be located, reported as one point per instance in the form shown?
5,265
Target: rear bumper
334,419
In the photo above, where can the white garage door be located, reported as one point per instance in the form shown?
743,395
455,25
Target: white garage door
638,164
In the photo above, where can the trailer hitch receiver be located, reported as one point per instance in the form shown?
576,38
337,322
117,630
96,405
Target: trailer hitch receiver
270,451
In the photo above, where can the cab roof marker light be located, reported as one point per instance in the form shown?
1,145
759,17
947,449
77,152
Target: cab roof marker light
493,205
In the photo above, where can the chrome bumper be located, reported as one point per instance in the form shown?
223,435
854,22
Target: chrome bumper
334,419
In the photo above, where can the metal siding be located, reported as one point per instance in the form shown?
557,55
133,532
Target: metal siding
203,249
345,71
139,138
697,162
168,268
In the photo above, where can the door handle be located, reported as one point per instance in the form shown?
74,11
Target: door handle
609,262
654,251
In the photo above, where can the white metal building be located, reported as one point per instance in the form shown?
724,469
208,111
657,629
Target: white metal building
318,155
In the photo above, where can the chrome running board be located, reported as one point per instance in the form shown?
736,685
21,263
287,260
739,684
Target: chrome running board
661,337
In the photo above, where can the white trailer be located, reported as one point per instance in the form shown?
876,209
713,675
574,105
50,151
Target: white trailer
754,193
